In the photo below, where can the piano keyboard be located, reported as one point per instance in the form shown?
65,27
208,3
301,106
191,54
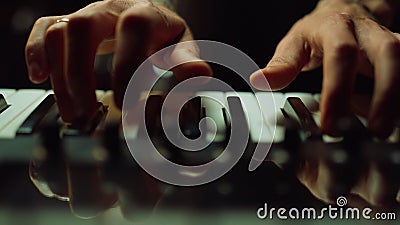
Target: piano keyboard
21,139
29,110
23,104
37,104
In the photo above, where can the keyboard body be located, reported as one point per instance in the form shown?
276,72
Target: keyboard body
239,192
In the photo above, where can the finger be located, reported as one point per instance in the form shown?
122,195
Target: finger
143,30
85,31
383,50
186,55
133,35
35,52
86,190
54,43
290,56
341,55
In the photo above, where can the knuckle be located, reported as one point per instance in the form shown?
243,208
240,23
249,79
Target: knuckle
349,51
53,33
31,48
118,6
391,47
81,22
139,17
367,21
339,21
343,18
42,20
32,45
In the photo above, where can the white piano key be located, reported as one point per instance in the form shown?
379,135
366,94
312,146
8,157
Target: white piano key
114,113
23,102
317,97
308,99
260,131
213,102
7,92
279,98
269,111
270,107
100,94
279,135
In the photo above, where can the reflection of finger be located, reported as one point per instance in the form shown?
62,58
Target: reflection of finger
137,202
325,180
290,56
52,190
377,186
340,61
86,191
383,50
35,53
55,52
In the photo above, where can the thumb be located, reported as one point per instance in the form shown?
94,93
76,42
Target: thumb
291,55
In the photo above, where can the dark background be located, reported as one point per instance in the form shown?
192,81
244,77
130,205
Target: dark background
254,27
17,18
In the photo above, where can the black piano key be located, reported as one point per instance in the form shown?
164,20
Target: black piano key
3,103
31,124
152,117
353,128
296,110
239,130
189,118
354,135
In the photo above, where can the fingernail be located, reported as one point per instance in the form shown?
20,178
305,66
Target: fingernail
259,81
36,73
185,56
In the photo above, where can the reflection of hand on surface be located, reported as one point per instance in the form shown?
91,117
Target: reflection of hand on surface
356,167
372,181
91,189
93,177
81,186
